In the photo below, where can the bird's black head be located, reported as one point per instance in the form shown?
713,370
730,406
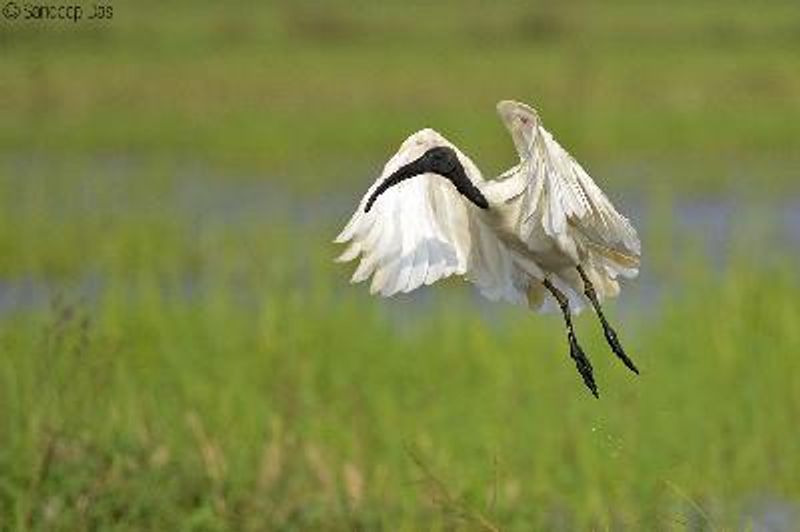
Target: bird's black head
440,160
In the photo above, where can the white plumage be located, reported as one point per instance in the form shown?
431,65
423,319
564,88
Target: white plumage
422,230
535,224
546,215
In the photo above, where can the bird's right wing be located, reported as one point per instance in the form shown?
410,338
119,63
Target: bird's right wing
422,230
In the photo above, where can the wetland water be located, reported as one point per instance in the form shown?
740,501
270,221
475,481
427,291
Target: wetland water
710,230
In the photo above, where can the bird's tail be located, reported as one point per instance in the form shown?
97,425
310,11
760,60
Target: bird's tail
569,282
540,300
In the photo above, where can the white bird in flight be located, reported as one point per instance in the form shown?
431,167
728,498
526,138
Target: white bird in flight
540,234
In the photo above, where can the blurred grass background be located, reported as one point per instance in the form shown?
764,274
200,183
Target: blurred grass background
291,87
179,352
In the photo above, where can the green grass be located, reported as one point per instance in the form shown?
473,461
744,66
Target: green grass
224,376
307,94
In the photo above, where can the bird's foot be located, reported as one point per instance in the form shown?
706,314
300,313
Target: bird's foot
616,347
583,365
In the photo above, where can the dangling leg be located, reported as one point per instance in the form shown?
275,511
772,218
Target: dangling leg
575,351
611,335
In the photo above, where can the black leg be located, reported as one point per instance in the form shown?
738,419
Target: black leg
611,335
581,360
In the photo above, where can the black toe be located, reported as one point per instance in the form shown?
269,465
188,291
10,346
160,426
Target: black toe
616,347
583,365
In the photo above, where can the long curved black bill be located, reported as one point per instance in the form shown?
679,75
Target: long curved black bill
420,166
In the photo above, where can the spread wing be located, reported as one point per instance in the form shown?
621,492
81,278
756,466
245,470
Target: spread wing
562,197
422,230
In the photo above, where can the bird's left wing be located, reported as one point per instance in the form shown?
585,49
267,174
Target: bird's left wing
422,229
562,196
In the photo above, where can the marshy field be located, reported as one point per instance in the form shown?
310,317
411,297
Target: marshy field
178,350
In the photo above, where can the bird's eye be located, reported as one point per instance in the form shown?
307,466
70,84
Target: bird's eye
444,161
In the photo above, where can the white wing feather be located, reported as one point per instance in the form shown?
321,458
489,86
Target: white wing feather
422,230
562,197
